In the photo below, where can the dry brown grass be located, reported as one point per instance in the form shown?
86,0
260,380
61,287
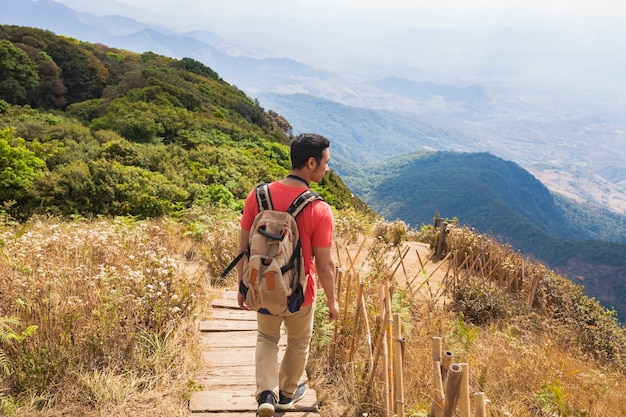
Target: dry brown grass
533,343
116,304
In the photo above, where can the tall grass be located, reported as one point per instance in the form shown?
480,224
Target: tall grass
98,317
114,303
534,343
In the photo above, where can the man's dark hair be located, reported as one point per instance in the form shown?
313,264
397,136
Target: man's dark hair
307,145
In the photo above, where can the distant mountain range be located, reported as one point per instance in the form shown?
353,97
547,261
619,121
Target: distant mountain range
397,117
571,137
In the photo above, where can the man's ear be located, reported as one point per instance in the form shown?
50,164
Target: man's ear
311,163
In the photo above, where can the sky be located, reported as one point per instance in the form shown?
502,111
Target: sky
609,14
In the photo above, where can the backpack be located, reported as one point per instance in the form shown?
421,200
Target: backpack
274,279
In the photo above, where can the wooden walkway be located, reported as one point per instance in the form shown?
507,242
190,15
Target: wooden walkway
228,382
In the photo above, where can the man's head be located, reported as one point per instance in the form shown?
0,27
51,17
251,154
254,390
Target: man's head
310,153
305,146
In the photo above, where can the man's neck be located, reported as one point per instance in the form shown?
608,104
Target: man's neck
297,177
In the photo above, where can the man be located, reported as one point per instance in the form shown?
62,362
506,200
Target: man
278,386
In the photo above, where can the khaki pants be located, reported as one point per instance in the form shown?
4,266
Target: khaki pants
269,376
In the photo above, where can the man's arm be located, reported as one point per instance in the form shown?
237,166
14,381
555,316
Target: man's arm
325,269
243,245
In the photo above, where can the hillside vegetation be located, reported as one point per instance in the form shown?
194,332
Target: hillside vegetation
122,179
498,197
90,130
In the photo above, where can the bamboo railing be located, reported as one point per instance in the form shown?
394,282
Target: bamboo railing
384,344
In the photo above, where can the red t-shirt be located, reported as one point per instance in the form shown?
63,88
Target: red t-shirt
315,225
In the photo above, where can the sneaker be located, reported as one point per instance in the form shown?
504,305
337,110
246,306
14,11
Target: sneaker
285,403
266,404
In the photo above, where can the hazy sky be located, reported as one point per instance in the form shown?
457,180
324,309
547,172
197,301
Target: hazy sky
596,13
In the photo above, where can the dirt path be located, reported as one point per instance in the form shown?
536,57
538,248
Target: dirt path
411,264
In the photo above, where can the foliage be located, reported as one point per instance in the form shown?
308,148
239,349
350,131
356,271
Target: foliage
18,74
480,303
128,134
19,167
9,337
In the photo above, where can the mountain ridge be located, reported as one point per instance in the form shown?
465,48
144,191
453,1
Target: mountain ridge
536,127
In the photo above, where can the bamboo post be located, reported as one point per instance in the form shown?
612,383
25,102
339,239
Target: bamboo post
452,390
446,362
357,312
479,404
464,401
436,348
384,294
436,407
347,299
398,365
388,316
443,228
368,334
338,275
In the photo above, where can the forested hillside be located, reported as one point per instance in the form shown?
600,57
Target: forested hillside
499,197
91,130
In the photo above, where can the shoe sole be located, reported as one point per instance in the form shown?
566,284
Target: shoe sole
265,410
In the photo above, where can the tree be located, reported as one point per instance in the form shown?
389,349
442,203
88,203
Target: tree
18,73
18,166
83,75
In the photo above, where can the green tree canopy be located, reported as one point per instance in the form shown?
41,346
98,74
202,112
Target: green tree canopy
18,166
18,73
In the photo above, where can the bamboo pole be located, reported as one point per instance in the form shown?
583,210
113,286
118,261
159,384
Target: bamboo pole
446,362
368,334
384,294
389,317
436,348
379,346
357,313
400,259
464,400
479,404
436,407
338,275
452,390
347,299
398,365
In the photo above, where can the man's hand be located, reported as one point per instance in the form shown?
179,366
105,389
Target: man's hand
333,310
241,302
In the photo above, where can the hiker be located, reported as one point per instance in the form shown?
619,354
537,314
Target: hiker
278,387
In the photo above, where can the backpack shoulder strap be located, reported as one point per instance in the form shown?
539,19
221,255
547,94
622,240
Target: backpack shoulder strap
301,202
263,198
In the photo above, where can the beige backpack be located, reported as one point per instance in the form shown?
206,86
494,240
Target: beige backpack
274,280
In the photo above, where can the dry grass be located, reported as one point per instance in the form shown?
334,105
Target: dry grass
533,343
116,305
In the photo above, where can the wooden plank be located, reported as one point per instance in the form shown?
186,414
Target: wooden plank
227,325
240,376
225,303
234,339
228,357
236,400
230,314
228,339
